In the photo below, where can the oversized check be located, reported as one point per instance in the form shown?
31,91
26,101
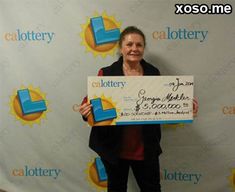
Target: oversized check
128,100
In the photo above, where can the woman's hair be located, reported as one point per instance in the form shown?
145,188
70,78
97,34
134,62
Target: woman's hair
130,30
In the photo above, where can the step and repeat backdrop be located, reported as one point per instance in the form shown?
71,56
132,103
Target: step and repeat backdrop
47,50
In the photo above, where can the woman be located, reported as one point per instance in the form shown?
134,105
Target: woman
135,146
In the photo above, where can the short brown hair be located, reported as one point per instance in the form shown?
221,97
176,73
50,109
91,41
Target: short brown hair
130,30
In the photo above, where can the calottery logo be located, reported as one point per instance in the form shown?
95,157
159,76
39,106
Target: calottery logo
28,105
100,34
181,176
170,33
108,84
96,174
29,36
27,171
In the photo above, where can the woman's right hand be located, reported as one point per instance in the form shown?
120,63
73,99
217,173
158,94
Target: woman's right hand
85,109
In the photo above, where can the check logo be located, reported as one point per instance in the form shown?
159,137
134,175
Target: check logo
99,113
101,35
27,105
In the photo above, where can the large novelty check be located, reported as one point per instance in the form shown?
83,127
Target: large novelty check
126,100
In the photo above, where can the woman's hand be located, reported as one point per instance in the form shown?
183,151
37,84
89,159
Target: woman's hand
85,109
195,107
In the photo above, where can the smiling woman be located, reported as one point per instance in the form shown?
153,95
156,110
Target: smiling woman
132,146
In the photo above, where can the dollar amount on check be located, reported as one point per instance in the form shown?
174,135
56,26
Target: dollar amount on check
122,100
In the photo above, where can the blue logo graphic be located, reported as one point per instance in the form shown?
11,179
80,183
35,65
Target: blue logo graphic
102,35
27,105
100,169
99,113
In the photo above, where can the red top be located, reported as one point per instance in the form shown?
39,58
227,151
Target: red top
132,146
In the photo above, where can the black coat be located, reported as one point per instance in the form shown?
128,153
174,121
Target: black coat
106,140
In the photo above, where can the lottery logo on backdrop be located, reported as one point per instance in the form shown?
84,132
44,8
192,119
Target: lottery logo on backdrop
170,33
232,179
29,105
180,176
100,34
96,174
28,171
29,35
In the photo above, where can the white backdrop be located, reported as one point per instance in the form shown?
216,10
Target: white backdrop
44,47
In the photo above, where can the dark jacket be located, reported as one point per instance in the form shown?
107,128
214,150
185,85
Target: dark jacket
105,140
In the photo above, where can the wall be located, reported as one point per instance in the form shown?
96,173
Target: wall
46,47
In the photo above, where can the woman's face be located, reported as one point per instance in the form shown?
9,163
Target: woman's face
132,48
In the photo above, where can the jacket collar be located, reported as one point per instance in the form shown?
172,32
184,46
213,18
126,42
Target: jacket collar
117,66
